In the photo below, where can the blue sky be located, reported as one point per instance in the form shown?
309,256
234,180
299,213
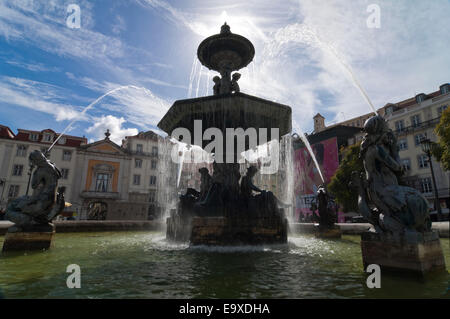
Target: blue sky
49,72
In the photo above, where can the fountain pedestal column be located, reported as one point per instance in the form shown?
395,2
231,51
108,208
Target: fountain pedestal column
228,215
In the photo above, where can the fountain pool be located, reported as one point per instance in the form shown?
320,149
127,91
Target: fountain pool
145,265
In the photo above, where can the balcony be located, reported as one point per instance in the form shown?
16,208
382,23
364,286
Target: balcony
99,195
146,154
419,127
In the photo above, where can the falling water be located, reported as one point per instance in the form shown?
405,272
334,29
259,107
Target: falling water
287,166
180,167
198,80
353,77
208,81
87,108
308,146
191,76
310,37
166,191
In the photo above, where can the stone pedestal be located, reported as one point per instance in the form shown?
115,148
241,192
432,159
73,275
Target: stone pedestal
412,252
29,240
225,231
327,232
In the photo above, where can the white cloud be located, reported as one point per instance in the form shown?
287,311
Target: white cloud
36,23
119,25
138,105
295,65
407,55
37,96
33,67
115,126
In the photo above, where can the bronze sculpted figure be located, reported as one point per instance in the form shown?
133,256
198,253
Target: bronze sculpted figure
326,208
247,186
37,210
226,84
234,82
216,87
389,206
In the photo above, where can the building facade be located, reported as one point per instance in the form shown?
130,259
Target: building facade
103,180
14,163
413,120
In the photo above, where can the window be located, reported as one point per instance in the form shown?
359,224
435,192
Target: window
34,137
137,180
67,156
152,180
389,110
420,98
47,137
102,182
399,126
415,120
406,163
21,151
154,164
137,163
13,191
422,161
152,197
62,140
17,170
139,148
155,151
402,144
425,185
441,109
445,88
65,173
418,138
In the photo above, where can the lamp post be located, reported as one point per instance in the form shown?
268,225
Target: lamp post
426,145
3,185
30,171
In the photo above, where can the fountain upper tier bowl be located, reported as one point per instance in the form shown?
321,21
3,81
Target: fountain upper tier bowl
236,110
225,50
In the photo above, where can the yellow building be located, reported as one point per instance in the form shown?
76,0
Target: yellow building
413,120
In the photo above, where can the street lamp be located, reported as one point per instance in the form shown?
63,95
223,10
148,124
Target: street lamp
3,185
30,172
426,145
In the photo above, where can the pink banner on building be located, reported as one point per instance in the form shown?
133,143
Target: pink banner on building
307,177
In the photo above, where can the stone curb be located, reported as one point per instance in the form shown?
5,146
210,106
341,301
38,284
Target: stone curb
134,225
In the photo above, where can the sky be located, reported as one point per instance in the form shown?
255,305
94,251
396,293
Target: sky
309,54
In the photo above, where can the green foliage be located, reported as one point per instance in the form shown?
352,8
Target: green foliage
441,150
339,185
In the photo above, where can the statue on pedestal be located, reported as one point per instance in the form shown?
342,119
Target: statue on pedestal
389,206
326,208
37,211
401,238
226,84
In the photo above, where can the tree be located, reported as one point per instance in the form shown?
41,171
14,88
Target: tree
441,150
339,185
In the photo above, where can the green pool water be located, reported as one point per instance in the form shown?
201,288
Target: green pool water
144,265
